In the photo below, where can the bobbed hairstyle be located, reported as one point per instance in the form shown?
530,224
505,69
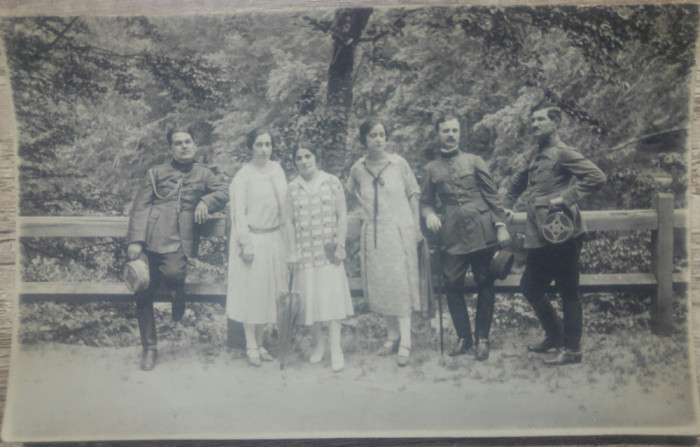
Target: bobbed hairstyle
444,117
175,129
309,147
368,125
255,133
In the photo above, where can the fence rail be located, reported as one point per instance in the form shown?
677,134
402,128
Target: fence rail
660,221
89,226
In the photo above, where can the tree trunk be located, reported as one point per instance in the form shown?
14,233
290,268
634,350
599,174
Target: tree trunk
347,29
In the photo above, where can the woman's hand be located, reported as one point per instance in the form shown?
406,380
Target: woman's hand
419,234
292,262
339,254
247,253
292,265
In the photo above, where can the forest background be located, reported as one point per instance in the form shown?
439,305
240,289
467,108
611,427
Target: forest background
94,98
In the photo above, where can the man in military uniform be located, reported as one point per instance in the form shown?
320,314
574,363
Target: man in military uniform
556,178
172,198
471,226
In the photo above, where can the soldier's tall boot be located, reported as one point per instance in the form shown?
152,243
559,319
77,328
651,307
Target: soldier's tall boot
551,323
177,296
147,328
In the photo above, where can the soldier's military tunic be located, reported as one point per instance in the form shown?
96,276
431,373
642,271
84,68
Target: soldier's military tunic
470,210
555,171
162,220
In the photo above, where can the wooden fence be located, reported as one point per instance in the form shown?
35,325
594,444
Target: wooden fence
660,221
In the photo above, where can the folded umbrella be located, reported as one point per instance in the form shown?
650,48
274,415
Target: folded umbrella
288,316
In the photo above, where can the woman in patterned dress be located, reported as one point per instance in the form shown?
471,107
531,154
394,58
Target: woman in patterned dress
257,267
388,194
316,227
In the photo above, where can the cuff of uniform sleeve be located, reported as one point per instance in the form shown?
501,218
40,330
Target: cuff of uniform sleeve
207,203
427,211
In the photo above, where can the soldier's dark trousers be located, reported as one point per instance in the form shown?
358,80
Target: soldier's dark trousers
454,268
171,269
560,263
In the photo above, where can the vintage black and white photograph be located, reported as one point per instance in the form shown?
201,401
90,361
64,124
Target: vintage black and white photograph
357,222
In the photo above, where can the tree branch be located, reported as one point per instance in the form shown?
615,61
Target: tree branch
36,56
642,138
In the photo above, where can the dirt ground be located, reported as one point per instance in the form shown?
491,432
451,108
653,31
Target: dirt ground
630,382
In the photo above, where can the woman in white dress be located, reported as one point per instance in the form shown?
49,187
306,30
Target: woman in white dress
316,228
257,267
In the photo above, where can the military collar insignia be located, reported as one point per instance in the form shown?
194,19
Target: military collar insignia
184,167
449,154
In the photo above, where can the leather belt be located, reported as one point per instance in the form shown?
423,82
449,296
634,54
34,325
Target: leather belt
263,230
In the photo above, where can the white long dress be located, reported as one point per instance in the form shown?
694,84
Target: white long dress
257,204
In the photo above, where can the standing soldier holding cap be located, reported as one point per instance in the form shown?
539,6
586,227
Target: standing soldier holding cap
556,178
471,229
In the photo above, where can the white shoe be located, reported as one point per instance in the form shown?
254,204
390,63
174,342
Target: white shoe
264,355
337,362
317,355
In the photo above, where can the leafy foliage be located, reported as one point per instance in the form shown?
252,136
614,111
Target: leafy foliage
94,97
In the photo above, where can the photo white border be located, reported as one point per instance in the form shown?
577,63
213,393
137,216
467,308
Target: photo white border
8,174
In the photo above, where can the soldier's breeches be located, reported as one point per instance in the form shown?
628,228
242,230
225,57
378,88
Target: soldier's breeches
560,263
171,270
454,268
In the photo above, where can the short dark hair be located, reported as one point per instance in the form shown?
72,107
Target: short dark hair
368,125
553,112
255,133
175,129
444,118
309,147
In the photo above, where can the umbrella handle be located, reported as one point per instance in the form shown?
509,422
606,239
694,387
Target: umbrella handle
291,280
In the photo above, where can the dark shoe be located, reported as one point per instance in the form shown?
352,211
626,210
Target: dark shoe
462,347
403,357
564,357
388,348
482,349
544,346
149,357
178,308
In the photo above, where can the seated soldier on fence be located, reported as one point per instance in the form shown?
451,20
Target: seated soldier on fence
173,197
556,178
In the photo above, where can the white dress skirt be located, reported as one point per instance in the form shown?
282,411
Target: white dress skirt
253,288
322,285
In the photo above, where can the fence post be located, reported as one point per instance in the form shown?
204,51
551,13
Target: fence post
235,337
662,266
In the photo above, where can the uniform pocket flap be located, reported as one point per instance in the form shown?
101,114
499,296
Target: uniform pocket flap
464,172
